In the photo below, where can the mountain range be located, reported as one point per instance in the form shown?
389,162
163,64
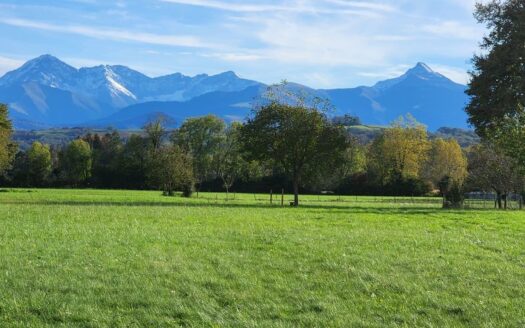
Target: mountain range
46,92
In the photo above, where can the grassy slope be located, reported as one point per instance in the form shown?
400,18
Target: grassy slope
100,258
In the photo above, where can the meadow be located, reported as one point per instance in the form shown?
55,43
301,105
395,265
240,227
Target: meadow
92,258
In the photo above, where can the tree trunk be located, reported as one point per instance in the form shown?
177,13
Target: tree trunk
296,191
505,201
498,201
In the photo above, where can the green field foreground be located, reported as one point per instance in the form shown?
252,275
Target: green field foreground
92,258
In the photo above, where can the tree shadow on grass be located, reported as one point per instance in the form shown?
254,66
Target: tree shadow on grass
310,208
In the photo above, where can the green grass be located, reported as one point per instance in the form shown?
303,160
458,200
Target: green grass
119,258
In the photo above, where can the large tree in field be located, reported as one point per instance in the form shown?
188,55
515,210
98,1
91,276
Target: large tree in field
7,147
201,137
497,87
297,137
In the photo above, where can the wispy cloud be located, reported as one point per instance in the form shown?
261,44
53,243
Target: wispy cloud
7,64
229,6
110,34
454,73
339,7
328,43
453,29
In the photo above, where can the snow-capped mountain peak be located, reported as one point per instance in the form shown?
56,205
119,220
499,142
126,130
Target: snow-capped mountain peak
46,70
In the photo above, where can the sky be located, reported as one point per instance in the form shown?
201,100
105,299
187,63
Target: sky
320,43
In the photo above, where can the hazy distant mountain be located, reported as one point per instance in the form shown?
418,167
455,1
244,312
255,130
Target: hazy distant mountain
47,92
231,106
430,97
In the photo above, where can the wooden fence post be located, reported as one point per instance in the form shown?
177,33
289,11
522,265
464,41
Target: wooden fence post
271,196
282,197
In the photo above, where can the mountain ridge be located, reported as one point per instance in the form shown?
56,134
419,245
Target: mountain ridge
49,92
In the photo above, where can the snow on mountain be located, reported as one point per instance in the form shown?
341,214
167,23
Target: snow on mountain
102,87
48,92
46,70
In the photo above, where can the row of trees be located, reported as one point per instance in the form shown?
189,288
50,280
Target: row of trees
281,146
289,139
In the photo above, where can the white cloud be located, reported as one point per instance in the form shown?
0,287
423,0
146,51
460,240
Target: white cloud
110,34
229,6
8,64
454,30
233,57
339,7
458,75
324,43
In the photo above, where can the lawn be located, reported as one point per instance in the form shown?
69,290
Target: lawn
121,258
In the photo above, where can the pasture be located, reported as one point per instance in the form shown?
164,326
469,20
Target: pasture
92,258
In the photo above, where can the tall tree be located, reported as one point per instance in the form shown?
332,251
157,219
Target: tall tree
491,170
77,162
132,162
106,154
171,169
353,161
299,138
7,147
497,82
155,132
231,164
445,160
39,163
201,137
400,151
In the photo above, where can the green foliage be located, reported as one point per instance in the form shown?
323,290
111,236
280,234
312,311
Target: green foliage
132,163
453,192
497,83
465,138
7,148
170,169
352,162
346,120
107,150
491,170
445,159
399,152
77,162
155,132
230,162
39,163
201,138
299,139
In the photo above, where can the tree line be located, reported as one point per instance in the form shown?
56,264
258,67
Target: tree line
290,142
297,148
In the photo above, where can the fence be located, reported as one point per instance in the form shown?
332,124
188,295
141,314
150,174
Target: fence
472,200
488,200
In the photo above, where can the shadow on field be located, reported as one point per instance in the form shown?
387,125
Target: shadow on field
408,210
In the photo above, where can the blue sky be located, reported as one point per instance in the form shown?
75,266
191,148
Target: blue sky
321,43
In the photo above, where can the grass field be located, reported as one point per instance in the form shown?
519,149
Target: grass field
119,258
